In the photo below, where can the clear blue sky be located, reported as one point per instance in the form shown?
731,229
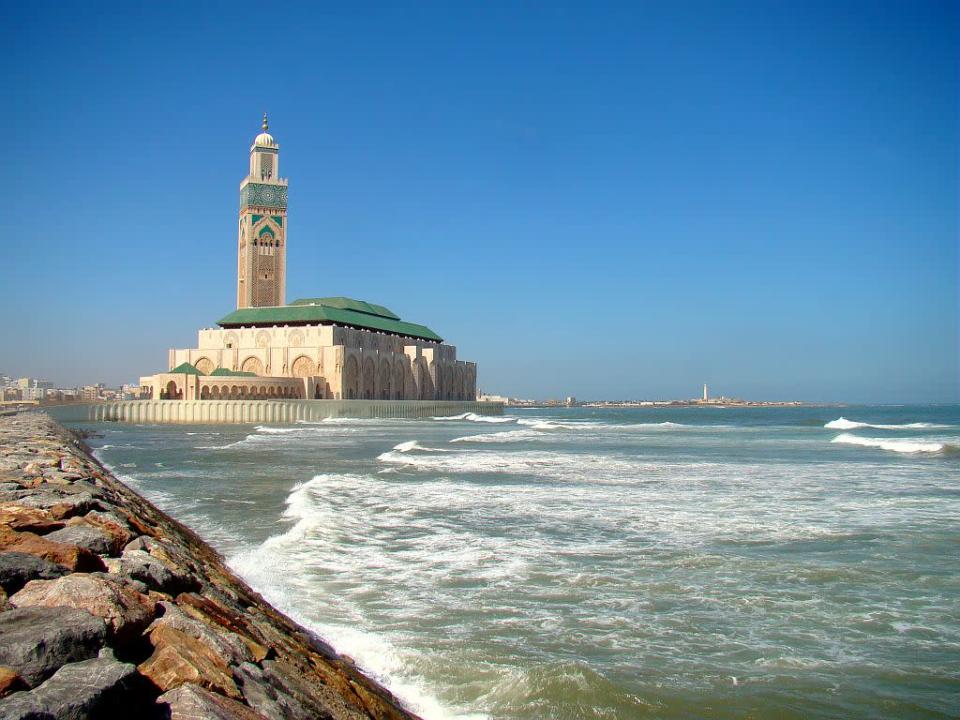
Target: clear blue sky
604,200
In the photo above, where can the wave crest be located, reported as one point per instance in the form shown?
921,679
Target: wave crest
900,445
842,423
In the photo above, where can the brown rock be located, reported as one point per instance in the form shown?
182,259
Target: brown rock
10,681
18,517
72,557
180,658
209,610
126,611
233,648
190,702
111,524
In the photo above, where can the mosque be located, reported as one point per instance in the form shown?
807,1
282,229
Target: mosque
332,348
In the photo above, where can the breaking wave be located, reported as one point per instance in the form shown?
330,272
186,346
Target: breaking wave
843,424
473,417
497,437
308,542
900,445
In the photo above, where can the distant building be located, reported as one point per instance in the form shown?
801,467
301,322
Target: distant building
327,347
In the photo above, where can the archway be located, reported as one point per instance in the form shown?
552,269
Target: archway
383,379
252,364
369,378
351,378
302,367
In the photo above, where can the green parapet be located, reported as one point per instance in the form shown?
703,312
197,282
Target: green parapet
225,372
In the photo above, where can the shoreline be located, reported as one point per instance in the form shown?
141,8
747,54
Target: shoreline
109,607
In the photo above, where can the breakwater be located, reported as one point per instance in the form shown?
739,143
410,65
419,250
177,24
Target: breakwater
109,608
265,411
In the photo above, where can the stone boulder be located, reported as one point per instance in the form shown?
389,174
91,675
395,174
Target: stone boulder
154,573
18,517
233,648
74,558
17,569
88,537
277,691
35,641
179,658
87,690
191,702
126,611
116,527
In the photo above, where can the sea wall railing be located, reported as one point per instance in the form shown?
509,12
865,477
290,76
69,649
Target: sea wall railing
200,412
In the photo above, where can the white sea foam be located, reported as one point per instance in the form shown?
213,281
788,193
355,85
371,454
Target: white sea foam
473,417
312,540
900,445
412,445
843,424
499,437
276,430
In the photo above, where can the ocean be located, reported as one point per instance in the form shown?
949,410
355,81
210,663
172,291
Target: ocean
587,563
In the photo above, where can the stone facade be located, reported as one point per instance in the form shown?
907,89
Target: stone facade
337,363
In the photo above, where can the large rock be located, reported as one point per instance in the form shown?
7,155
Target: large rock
179,658
19,517
62,501
233,648
126,611
90,690
154,573
91,538
35,641
17,569
277,691
190,702
117,528
72,557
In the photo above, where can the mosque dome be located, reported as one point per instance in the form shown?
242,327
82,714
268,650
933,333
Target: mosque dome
265,139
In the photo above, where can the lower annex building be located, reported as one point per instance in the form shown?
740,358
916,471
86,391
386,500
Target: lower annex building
315,348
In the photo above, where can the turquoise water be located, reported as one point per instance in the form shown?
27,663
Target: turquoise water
642,563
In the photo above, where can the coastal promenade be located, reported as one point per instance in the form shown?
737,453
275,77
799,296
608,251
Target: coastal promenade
111,609
264,411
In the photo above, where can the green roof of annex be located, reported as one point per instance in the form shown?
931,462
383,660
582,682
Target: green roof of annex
327,311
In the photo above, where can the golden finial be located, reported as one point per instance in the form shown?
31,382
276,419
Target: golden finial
264,122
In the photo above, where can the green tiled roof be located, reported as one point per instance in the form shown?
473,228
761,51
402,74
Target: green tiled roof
221,372
326,311
187,369
345,303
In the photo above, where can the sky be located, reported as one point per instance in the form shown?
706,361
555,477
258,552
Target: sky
605,200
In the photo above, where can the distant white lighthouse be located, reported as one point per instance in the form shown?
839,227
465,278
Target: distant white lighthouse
705,396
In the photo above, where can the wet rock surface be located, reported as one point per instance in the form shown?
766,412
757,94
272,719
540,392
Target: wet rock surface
110,609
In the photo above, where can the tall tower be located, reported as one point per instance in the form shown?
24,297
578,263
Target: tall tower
705,396
262,248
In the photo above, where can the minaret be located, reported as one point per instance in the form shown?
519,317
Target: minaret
705,396
262,248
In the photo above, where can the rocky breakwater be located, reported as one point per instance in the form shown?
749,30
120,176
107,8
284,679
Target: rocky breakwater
111,609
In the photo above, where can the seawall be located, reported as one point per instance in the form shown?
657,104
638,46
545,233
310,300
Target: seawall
111,609
264,411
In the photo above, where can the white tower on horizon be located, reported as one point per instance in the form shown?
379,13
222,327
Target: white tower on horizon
705,396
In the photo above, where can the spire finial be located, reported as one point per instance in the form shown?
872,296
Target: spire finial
265,127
